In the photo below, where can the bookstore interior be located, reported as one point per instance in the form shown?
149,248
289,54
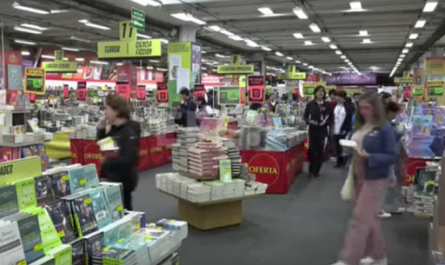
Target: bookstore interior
250,138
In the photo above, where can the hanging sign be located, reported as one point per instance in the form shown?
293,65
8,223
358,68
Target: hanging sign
435,66
406,92
141,92
199,91
162,93
436,88
417,91
229,96
406,79
255,85
138,19
59,65
235,67
123,90
32,98
309,87
81,92
34,81
66,91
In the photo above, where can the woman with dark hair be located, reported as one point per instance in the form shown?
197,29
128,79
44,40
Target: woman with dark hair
372,160
126,134
318,116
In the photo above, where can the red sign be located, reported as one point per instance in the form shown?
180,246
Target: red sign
199,91
123,90
81,91
256,89
162,92
32,98
66,91
141,93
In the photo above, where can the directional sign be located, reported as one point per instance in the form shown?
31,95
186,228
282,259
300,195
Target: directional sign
138,19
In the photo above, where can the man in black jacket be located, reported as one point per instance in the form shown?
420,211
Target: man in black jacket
318,115
188,109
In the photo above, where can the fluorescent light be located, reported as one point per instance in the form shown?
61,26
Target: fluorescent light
164,41
314,27
59,11
147,2
333,46
405,50
44,56
356,6
30,9
430,6
80,59
278,54
409,44
266,48
119,64
343,56
297,61
305,64
265,10
299,12
402,55
308,42
161,69
363,33
310,67
25,53
93,25
298,36
215,28
326,39
366,40
235,37
31,26
25,42
413,36
289,58
338,52
154,61
420,23
99,62
202,51
32,31
149,67
189,17
143,36
226,32
79,39
70,49
219,55
251,43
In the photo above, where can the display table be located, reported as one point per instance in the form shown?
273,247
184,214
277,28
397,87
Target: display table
212,214
154,151
409,164
274,168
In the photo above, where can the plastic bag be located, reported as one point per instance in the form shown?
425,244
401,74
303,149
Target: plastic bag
347,191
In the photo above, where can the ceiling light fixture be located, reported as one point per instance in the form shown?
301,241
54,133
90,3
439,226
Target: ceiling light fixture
308,42
153,61
214,28
315,28
50,57
93,25
161,69
25,53
363,33
70,49
405,50
305,64
366,40
420,23
164,41
297,62
402,55
79,39
25,42
99,62
80,59
298,36
338,52
188,17
17,5
333,46
147,2
289,58
413,36
226,32
299,12
266,48
326,39
119,64
251,43
31,26
265,10
409,44
356,6
235,37
32,31
219,55
278,54
430,6
343,56
149,67
143,36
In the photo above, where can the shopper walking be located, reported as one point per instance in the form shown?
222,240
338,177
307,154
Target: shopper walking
343,112
188,109
371,164
318,116
122,166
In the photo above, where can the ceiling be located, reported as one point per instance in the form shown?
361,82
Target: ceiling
388,24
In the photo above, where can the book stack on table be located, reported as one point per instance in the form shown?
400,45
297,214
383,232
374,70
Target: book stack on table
186,137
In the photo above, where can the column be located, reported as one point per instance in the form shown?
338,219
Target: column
187,33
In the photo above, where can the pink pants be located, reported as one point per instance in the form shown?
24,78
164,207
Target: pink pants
364,238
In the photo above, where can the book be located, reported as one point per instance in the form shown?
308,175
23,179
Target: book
100,208
225,170
90,173
11,249
84,215
29,228
26,194
60,181
45,261
93,245
78,251
62,255
8,197
111,234
77,179
60,216
48,233
114,201
44,192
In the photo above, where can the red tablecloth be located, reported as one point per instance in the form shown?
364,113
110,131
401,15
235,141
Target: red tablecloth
277,169
408,166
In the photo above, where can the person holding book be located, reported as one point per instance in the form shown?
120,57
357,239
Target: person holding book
122,166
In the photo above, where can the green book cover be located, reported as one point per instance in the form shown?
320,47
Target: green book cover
8,199
26,194
50,238
225,170
62,255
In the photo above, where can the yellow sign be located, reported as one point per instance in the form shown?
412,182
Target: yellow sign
403,80
291,69
34,81
292,76
60,67
235,59
435,66
235,69
13,171
129,49
406,74
417,91
127,32
58,55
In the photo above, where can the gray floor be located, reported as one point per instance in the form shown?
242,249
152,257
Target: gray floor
304,227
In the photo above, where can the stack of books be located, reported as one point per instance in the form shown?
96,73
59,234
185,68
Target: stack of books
203,159
186,137
233,153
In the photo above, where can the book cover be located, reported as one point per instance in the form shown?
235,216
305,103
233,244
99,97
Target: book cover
11,250
45,261
60,181
91,177
93,245
225,170
111,234
26,194
44,192
114,201
84,215
8,197
78,250
125,228
48,233
77,179
31,239
62,255
100,208
60,216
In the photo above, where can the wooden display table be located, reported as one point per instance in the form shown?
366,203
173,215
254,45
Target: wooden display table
212,214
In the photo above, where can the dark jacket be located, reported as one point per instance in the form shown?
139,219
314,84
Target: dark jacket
347,123
321,114
123,167
380,144
188,110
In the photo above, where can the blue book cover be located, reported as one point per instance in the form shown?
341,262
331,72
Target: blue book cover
100,208
90,173
114,201
8,197
31,239
77,179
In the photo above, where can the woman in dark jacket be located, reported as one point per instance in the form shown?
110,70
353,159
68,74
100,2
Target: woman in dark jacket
121,167
318,115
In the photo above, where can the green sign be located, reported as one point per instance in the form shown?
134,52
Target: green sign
229,96
138,19
436,91
308,91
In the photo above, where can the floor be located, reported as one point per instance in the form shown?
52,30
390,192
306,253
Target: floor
304,227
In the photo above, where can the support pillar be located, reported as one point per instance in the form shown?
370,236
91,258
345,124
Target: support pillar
187,33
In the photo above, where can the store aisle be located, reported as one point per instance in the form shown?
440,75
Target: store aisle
304,227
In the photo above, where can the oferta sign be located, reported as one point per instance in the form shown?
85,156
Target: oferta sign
129,49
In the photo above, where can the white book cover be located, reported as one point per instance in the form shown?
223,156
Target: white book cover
11,249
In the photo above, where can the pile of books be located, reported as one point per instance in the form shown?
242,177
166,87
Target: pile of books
203,159
83,131
233,153
204,191
156,126
186,137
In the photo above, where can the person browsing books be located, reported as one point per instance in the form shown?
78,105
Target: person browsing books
120,166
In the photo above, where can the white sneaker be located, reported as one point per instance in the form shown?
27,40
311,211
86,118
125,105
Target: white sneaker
384,214
370,261
339,263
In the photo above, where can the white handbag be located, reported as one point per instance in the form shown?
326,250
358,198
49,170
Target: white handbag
347,191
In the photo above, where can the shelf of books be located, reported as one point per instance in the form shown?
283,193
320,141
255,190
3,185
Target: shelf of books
65,216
